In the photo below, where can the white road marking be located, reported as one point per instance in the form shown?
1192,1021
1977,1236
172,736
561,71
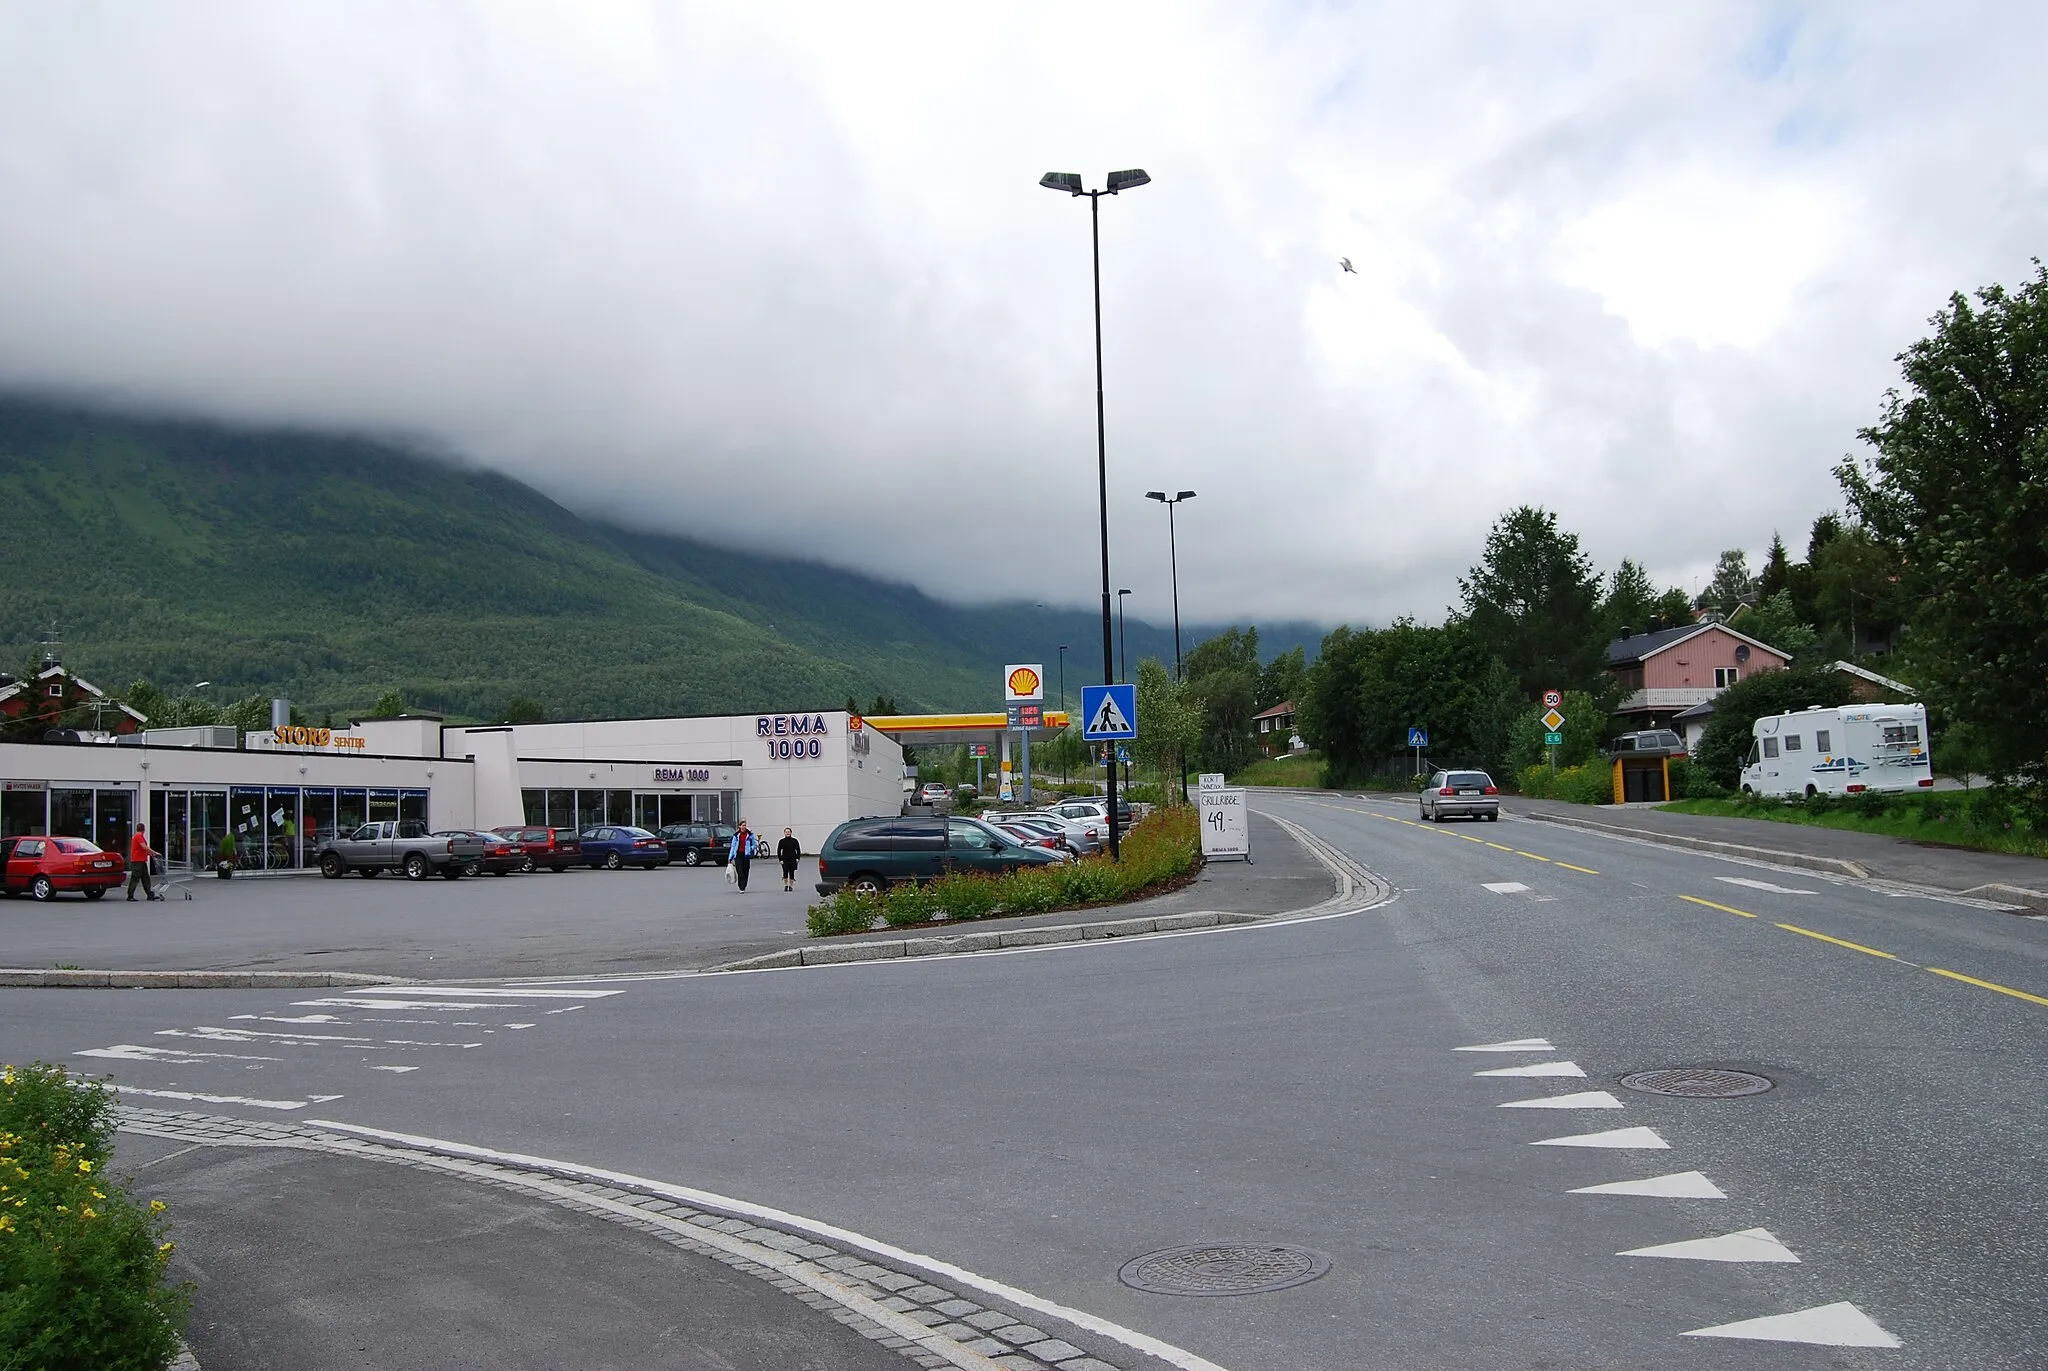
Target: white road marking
250,1035
1585,1099
396,1070
1750,1245
1079,1318
1643,1138
1512,1045
218,1099
516,1025
354,1002
288,1018
322,1099
1828,1325
570,1010
1537,1069
1679,1185
471,992
1507,887
1764,885
168,1056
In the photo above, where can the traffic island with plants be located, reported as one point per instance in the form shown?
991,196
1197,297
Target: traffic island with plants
1990,819
82,1263
1159,855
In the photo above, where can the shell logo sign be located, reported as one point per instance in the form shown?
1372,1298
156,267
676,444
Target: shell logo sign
1023,682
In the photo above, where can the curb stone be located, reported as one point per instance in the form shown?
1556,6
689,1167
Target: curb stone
2036,900
1839,866
922,1321
21,977
1352,881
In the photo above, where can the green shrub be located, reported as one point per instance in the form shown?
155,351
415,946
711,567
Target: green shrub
904,906
1592,784
81,1263
848,911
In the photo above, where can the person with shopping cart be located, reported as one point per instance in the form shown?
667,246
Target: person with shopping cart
139,857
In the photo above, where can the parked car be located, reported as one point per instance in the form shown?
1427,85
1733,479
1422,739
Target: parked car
41,867
1080,836
1081,809
874,854
501,855
612,846
1460,795
1657,741
1035,835
933,794
696,844
401,845
553,848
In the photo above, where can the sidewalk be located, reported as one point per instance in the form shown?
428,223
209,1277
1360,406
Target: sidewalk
1890,859
314,1252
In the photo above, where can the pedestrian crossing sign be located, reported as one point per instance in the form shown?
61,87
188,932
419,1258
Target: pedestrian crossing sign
1109,711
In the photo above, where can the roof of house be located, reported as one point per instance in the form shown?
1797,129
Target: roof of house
1284,707
1634,648
1703,710
1887,682
9,692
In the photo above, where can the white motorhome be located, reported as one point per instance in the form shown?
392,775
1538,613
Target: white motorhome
1841,751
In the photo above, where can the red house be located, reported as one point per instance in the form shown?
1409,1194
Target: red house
54,698
1665,673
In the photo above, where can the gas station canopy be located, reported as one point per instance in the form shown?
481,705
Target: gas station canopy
951,730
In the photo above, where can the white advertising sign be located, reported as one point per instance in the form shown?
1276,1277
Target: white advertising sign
1225,832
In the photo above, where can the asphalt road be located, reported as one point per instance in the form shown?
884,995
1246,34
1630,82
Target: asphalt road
1041,1117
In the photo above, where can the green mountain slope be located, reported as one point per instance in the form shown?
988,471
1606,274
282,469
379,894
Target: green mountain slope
329,569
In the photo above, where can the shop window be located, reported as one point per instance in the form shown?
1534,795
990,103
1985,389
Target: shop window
113,818
207,823
316,823
562,808
589,808
351,810
71,813
383,807
536,802
23,811
412,807
281,829
618,806
245,817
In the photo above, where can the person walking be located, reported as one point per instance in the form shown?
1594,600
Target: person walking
742,854
789,852
139,854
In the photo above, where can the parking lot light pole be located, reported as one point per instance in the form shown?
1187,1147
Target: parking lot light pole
1180,674
1064,764
1070,182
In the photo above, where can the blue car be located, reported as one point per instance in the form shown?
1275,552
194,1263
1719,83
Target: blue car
612,846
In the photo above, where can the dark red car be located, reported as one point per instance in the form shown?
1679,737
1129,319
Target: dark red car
553,848
501,855
43,866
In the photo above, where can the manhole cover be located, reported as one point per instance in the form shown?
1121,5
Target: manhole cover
1698,1082
1222,1269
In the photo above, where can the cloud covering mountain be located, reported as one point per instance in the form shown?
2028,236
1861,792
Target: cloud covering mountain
780,275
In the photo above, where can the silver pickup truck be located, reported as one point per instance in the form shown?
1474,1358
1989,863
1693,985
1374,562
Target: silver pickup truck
404,846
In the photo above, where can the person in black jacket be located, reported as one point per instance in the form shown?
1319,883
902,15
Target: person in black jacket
789,851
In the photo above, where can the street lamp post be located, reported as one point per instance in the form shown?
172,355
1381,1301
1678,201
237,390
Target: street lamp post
178,711
1123,644
1070,182
1064,776
1173,560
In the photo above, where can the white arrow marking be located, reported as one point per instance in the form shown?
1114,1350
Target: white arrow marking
1507,887
1614,1137
1585,1099
1830,1325
399,1070
1750,1245
1513,1045
213,1099
130,1052
1679,1185
1764,885
322,1099
1537,1069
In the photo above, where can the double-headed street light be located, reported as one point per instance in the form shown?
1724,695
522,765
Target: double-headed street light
1173,560
1070,182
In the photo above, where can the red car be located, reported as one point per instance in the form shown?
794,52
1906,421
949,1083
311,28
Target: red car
553,848
43,866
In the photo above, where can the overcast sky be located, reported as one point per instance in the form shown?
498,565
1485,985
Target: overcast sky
781,275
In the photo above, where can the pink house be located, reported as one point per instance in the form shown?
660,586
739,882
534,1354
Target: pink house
1667,672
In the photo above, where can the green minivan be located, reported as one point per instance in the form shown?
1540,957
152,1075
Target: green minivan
874,854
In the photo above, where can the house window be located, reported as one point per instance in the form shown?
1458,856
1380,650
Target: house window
1822,741
1770,747
1725,676
1791,742
55,691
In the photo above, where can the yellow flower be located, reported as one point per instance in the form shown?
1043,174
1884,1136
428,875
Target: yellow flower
87,1210
84,1167
156,1206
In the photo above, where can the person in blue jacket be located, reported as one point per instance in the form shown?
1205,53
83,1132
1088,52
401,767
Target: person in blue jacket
741,854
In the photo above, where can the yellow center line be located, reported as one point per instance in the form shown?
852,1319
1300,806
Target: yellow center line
1838,942
1586,869
1530,855
1502,846
1988,985
1725,909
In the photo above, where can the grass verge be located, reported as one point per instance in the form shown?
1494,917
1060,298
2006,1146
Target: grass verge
1158,854
1994,819
82,1283
1302,771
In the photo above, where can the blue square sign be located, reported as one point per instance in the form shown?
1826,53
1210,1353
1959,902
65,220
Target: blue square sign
1109,711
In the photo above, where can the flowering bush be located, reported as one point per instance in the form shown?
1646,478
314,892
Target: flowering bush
1165,847
81,1263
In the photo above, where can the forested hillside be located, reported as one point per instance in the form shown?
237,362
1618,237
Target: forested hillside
334,569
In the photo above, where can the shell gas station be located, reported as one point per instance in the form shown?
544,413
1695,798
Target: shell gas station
1022,721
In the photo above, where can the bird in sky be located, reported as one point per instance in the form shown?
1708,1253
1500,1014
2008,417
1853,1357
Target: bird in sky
1345,262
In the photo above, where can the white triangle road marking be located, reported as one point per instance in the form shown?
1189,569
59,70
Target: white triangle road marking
1506,887
1840,1324
1750,1245
1644,1138
1537,1069
1679,1185
1585,1099
1764,885
1512,1045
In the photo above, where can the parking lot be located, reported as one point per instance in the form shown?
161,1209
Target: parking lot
575,923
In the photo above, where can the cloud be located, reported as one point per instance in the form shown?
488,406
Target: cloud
781,276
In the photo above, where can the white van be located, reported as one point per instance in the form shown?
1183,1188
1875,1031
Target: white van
1839,751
